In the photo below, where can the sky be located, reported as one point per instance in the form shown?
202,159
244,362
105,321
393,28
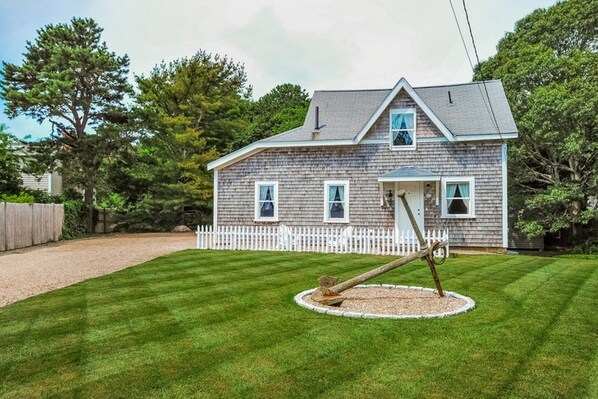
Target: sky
317,44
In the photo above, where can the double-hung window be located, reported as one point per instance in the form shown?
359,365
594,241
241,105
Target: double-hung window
458,197
266,201
402,129
336,201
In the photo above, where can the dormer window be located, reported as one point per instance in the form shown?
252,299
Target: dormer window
402,129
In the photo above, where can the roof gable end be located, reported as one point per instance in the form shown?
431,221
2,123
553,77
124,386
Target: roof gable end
402,84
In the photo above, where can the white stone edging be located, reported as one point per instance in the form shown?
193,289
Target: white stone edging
469,305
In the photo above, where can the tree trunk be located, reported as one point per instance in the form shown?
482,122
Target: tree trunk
576,226
576,233
88,197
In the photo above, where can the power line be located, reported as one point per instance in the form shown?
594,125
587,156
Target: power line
475,49
461,34
469,57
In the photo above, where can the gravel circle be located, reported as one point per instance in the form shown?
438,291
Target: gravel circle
386,301
31,271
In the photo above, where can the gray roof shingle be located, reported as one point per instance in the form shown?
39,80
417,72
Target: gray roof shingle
470,112
344,113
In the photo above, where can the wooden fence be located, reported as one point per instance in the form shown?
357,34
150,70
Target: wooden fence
315,239
24,225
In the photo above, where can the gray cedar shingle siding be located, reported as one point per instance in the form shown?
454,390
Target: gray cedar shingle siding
301,174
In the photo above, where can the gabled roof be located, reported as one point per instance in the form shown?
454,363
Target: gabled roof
403,85
347,115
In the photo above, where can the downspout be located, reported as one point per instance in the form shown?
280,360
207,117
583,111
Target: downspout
505,196
215,206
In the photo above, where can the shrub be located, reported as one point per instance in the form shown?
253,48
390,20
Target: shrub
589,246
21,198
113,201
74,219
149,215
75,214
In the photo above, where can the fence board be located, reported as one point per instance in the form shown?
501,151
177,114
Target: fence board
10,223
2,226
37,223
19,225
58,221
315,239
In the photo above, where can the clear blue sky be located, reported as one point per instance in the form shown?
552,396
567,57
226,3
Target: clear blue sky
318,44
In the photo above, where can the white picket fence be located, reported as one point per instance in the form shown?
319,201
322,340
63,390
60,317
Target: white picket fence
315,239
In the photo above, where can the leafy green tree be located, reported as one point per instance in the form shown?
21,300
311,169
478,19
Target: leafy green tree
10,170
549,67
191,110
283,108
70,78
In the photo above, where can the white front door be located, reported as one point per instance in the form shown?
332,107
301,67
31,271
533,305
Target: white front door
414,194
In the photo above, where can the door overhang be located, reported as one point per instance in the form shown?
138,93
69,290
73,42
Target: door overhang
409,173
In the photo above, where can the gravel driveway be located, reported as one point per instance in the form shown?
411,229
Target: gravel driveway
31,271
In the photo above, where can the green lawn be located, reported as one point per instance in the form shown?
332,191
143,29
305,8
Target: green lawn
223,324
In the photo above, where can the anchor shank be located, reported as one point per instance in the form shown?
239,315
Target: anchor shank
345,285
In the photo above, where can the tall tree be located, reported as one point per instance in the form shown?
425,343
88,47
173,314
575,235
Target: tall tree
549,67
192,110
10,167
70,78
282,108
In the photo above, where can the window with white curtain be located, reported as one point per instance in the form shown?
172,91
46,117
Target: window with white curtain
336,201
458,199
402,129
266,201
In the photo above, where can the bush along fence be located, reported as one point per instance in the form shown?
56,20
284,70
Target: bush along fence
315,239
24,225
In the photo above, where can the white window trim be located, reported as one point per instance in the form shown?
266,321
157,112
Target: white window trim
458,179
258,218
403,111
327,184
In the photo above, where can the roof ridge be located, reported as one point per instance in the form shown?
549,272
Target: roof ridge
348,90
415,87
459,84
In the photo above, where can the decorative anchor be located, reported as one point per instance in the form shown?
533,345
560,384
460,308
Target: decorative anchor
329,290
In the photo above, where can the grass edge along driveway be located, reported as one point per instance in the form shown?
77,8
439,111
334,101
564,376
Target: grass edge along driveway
223,324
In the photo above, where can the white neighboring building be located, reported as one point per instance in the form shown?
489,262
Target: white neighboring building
48,182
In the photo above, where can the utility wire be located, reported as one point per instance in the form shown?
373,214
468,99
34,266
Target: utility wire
461,34
490,110
475,49
469,57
